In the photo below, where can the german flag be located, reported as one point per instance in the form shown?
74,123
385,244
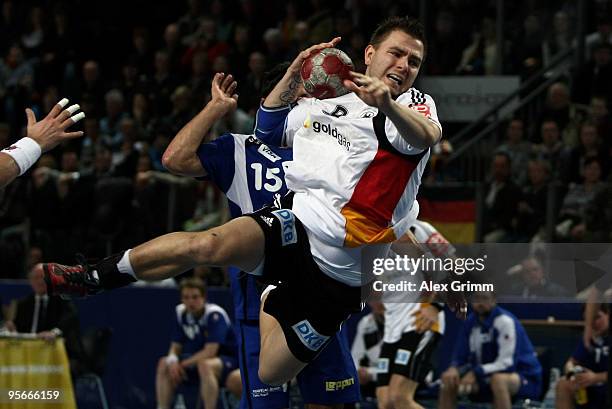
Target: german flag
451,210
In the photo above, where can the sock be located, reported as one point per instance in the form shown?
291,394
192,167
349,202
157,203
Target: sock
109,271
124,265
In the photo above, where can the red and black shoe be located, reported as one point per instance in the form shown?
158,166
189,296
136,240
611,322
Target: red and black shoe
71,281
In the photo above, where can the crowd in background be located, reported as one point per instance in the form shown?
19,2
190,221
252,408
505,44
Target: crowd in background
140,75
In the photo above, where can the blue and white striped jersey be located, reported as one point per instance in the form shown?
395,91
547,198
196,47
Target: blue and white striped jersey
499,344
251,175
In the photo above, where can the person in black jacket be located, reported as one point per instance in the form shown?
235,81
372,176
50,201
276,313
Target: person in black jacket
49,317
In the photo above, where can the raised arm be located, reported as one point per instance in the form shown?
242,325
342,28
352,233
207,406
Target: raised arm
287,90
42,136
181,155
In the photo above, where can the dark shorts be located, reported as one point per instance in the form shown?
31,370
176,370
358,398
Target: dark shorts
531,388
229,363
309,305
409,357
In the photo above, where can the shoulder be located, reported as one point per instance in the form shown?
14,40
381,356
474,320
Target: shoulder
215,313
504,319
415,97
180,310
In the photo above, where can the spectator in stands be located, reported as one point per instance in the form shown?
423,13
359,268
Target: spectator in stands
90,89
493,361
534,283
109,125
443,53
48,318
594,76
590,147
366,347
560,38
518,150
603,34
251,89
577,199
202,348
501,201
551,149
479,58
599,114
533,205
586,371
564,112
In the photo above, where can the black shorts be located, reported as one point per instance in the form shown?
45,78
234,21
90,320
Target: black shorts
409,357
309,305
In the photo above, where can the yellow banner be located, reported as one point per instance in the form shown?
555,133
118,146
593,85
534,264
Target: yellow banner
34,374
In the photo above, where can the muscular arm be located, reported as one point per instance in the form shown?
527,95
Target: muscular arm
181,155
413,127
288,88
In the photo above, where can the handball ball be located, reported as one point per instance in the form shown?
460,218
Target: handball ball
324,71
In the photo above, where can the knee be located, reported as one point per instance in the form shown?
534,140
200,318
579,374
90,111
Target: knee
161,365
564,385
499,382
204,369
207,248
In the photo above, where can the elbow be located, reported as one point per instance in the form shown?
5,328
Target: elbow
171,161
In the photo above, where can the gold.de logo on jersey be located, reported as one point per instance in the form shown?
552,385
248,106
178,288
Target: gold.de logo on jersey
331,386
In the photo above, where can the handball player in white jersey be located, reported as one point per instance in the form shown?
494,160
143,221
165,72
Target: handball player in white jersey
412,327
355,192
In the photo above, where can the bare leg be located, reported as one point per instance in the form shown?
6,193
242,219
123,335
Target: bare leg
448,397
504,386
234,383
210,372
401,392
277,365
239,242
564,398
382,396
164,389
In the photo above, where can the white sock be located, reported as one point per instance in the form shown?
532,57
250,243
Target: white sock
124,265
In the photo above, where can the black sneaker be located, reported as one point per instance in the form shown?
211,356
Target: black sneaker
71,281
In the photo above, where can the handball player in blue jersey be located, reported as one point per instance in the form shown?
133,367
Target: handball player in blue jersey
251,175
203,348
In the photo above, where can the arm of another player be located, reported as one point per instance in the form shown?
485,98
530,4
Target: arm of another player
413,127
41,136
181,155
286,91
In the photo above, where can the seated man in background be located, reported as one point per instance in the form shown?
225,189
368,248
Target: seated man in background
49,317
366,347
586,370
493,360
203,346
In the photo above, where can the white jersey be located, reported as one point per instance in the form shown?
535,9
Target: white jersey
355,178
400,308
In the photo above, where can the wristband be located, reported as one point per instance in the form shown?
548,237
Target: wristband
24,152
171,359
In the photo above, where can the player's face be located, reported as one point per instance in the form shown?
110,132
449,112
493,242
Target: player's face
601,323
396,61
193,300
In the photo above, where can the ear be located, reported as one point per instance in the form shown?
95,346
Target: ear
369,52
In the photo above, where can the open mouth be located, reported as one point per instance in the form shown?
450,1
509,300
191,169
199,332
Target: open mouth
396,78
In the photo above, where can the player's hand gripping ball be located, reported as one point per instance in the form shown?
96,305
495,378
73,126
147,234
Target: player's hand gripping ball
324,71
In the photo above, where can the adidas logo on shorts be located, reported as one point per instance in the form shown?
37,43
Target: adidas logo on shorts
267,220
